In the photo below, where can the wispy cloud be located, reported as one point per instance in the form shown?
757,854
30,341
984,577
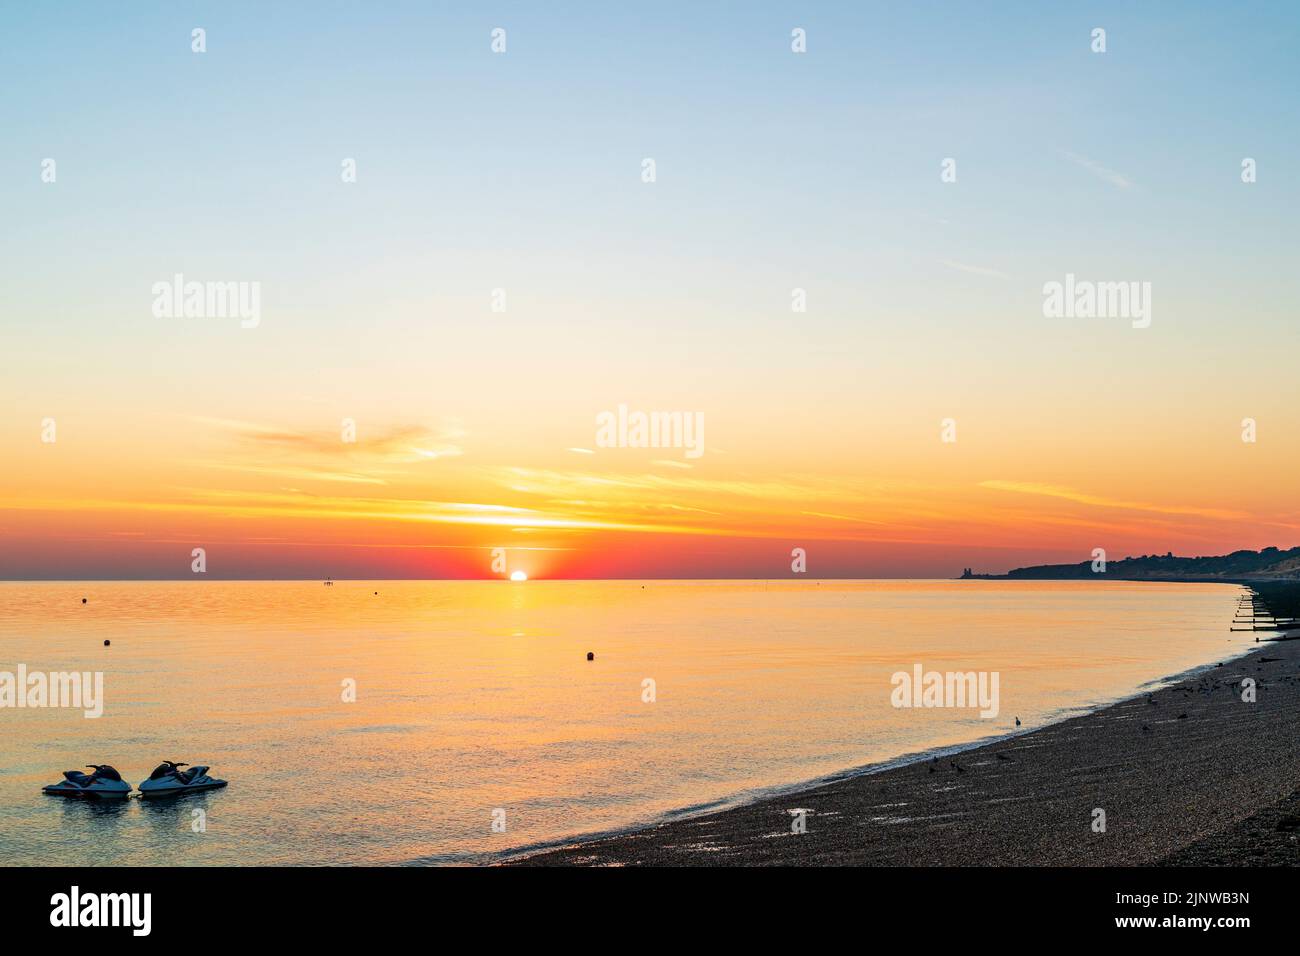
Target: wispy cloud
974,270
401,445
835,517
292,473
561,484
1098,170
251,504
1099,501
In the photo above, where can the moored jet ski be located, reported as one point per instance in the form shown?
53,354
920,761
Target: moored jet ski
168,779
104,782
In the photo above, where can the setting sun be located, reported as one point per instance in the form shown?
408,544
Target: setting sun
518,576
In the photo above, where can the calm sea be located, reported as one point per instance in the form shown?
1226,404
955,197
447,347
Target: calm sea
477,697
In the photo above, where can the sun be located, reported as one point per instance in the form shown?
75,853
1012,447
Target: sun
518,576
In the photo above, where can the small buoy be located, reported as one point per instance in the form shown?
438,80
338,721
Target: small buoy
590,656
106,643
376,593
83,600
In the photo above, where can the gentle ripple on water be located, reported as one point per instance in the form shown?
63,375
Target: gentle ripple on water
477,696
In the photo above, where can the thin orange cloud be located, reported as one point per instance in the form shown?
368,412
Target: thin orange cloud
1097,501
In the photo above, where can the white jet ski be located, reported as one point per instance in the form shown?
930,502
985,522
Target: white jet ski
104,782
169,779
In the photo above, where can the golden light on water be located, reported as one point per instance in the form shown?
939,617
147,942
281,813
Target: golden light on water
480,696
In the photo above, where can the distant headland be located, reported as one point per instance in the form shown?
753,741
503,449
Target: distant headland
1270,564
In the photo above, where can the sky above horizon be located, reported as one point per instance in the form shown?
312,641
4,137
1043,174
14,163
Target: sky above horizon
523,171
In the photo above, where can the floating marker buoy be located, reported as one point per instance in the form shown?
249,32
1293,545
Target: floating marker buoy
106,643
590,656
83,600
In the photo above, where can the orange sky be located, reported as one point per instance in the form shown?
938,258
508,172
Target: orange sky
268,500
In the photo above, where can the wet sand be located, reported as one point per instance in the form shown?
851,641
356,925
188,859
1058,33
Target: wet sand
1188,775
